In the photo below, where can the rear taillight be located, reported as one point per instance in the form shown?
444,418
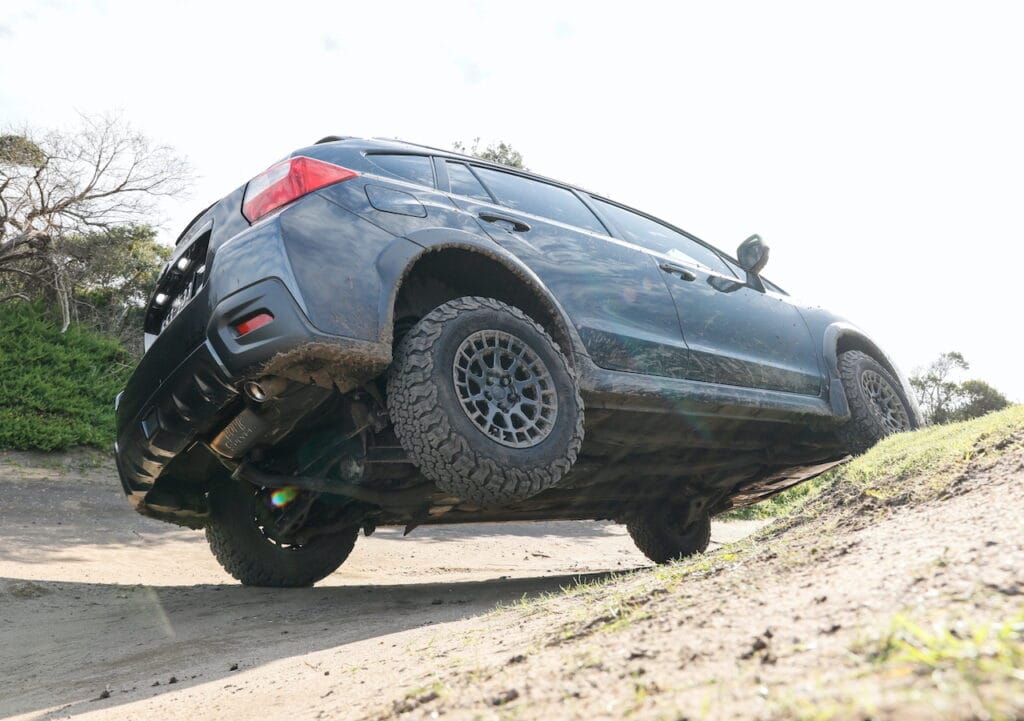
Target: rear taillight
287,181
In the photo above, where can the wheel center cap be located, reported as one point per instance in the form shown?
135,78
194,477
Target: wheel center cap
499,393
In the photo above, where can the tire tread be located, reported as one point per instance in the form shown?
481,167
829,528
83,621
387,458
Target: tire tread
864,429
441,453
659,546
239,552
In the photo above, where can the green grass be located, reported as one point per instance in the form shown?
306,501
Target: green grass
937,450
56,389
945,667
781,503
976,652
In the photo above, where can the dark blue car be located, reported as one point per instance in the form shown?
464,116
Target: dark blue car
377,333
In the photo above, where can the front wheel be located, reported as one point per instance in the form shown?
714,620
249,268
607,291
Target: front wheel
878,405
662,538
242,535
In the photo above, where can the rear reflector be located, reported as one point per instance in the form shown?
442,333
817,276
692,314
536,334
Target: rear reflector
250,324
287,181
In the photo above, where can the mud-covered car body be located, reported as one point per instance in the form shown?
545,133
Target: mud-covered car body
701,382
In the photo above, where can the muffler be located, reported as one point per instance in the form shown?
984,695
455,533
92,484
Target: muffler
276,405
241,434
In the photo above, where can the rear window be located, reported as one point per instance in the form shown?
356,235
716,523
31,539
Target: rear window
537,198
415,168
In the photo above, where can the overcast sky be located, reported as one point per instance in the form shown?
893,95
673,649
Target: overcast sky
877,147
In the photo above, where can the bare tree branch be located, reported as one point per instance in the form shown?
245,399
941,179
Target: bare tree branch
57,185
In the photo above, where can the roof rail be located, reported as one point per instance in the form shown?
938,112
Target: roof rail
446,151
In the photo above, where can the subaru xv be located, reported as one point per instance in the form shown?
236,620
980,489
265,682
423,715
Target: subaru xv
376,333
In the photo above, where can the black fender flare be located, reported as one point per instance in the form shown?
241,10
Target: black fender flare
395,267
838,332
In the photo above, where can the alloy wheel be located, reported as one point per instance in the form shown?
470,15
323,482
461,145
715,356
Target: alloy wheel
505,388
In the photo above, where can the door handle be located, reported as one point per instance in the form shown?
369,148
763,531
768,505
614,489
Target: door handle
517,225
673,269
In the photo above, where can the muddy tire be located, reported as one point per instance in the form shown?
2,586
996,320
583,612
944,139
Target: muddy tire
878,405
659,538
485,402
246,552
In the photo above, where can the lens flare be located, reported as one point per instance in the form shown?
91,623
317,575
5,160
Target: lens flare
283,496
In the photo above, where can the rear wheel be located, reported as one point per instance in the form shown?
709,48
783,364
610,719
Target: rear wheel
663,538
244,535
485,402
878,405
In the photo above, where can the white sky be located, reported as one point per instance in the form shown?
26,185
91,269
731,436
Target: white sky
878,147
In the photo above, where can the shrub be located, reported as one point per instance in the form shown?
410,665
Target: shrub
56,389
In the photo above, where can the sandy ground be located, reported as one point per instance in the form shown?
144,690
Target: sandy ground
106,614
867,606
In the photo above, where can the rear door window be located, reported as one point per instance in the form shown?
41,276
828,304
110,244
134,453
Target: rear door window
414,168
538,198
463,182
652,235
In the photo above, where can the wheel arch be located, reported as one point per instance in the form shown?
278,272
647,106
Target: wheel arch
842,337
461,266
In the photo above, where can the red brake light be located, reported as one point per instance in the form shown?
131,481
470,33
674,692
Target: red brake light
288,180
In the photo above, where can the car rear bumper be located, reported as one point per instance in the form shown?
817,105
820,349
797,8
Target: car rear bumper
187,386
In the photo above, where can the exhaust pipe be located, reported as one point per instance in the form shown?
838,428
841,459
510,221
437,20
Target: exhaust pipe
415,497
264,389
248,427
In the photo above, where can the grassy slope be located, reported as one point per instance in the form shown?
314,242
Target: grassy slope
56,389
939,447
963,658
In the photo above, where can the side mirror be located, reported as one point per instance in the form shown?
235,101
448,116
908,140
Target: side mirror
753,254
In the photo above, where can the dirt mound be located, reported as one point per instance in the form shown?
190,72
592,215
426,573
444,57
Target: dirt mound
894,593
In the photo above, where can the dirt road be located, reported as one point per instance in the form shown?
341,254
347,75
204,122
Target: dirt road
106,613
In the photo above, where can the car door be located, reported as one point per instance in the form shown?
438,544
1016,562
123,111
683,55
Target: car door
737,335
613,293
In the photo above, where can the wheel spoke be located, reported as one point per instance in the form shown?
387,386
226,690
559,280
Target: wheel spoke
505,388
885,401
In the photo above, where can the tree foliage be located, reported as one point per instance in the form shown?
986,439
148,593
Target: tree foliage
58,188
57,388
936,387
977,399
944,399
112,273
499,152
19,150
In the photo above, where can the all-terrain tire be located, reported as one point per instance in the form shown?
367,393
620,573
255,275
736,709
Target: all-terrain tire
657,539
433,422
878,405
246,553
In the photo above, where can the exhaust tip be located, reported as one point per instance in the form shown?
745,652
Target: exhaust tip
255,391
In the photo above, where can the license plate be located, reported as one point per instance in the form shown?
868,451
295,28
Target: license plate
175,307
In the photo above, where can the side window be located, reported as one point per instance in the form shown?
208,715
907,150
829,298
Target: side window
537,198
660,238
463,182
414,168
735,268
